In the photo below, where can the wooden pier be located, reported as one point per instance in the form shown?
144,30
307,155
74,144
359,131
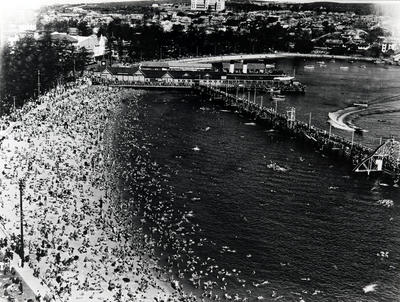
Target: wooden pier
385,158
322,140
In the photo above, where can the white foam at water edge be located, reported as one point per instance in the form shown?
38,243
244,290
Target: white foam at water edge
370,288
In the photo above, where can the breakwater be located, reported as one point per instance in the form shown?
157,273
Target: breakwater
320,139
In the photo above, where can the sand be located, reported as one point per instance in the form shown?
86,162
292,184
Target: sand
77,250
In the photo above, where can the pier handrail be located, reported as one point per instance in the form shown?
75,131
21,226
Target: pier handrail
355,152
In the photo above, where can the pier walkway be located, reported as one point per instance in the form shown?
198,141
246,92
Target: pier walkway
323,140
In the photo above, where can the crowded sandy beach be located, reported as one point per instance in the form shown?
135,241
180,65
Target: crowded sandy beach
75,246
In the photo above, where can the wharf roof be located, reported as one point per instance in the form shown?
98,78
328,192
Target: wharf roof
153,74
204,74
158,74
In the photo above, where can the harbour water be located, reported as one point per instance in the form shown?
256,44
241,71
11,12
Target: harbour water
273,219
330,87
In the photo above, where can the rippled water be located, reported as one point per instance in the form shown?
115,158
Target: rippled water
313,230
331,88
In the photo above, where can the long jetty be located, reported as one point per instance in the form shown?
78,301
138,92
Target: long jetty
326,142
322,140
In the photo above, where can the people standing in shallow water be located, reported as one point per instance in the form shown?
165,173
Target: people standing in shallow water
171,228
89,206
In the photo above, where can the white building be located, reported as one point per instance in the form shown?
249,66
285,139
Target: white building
216,5
389,45
94,45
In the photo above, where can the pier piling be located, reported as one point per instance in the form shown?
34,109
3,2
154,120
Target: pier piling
323,140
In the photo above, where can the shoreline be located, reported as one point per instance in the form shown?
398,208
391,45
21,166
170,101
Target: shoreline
280,55
60,149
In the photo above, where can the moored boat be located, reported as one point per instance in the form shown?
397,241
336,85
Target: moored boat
293,88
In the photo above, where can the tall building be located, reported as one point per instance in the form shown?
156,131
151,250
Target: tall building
215,5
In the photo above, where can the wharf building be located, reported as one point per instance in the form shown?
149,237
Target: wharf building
160,73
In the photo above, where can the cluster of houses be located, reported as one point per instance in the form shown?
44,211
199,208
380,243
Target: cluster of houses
328,31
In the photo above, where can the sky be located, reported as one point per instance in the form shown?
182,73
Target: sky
17,4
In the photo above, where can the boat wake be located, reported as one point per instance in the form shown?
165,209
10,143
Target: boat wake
343,119
337,118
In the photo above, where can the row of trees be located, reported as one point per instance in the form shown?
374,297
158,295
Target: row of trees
31,61
151,42
64,25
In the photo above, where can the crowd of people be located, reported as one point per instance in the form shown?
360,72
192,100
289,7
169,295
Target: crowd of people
59,147
98,213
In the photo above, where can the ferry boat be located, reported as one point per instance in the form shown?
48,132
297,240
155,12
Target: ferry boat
344,67
309,67
288,85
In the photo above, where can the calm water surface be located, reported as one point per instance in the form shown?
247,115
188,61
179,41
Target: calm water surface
313,231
